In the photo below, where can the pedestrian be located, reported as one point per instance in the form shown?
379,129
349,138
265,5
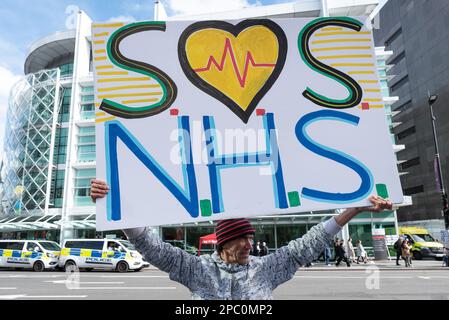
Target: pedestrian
327,255
350,250
230,272
361,252
406,253
341,254
336,243
398,247
264,249
256,249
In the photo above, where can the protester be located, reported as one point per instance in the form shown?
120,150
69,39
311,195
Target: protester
230,272
398,247
361,253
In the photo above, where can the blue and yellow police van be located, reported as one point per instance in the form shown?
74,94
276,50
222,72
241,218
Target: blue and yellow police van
29,254
106,254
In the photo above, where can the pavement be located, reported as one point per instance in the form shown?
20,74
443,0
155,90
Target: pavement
380,264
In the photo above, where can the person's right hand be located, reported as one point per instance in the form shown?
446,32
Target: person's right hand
99,189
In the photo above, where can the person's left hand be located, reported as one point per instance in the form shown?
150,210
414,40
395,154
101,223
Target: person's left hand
379,204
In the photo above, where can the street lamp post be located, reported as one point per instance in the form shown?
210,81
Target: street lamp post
431,101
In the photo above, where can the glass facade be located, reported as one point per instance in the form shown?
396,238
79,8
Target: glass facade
66,69
57,194
82,187
64,114
86,144
32,108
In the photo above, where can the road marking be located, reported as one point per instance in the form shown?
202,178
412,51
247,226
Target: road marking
421,277
125,288
31,277
11,297
6,288
59,297
340,277
133,276
18,296
76,282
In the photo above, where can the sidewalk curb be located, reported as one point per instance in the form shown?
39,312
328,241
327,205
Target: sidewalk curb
349,269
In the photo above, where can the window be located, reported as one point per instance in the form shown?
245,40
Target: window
64,112
404,106
88,98
50,246
413,190
95,245
286,233
82,187
87,89
32,246
58,188
14,245
399,58
394,38
403,134
87,111
399,84
86,144
410,163
66,69
61,145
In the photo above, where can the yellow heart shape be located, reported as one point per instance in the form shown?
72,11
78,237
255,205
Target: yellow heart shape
237,66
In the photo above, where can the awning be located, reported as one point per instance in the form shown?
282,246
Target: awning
209,239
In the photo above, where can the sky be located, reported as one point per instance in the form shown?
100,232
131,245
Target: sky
25,21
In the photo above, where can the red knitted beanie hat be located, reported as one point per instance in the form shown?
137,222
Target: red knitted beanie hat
231,229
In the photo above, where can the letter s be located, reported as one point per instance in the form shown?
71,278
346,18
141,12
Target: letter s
355,91
168,86
365,175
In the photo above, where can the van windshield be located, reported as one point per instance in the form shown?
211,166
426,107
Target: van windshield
128,245
51,246
423,238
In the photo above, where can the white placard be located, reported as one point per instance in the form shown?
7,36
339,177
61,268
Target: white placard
208,120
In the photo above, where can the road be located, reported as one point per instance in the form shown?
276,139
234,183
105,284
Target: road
365,282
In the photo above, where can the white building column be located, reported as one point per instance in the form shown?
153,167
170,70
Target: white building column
324,9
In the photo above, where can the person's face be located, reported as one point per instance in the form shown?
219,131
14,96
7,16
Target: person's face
237,250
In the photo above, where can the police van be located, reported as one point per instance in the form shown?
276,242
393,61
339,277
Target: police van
29,254
108,254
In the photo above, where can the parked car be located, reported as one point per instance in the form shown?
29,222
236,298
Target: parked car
29,254
107,254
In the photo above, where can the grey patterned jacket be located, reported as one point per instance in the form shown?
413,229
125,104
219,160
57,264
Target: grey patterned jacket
208,277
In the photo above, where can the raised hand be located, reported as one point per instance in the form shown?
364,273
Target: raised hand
99,189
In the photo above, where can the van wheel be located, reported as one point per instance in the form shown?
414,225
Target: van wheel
70,266
122,266
417,255
38,266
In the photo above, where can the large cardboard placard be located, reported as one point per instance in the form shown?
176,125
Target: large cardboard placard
217,119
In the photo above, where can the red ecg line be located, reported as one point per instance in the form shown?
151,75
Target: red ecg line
228,48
